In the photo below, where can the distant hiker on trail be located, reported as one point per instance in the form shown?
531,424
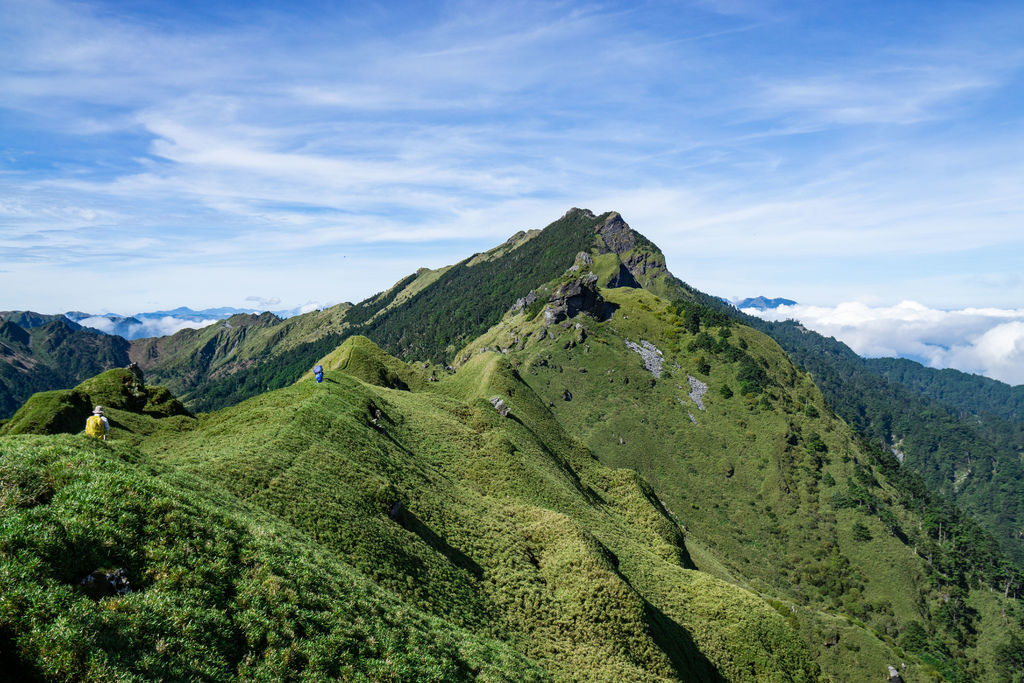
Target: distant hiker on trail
318,372
97,425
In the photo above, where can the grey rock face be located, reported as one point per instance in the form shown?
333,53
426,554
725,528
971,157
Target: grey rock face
583,260
101,584
617,234
523,302
575,297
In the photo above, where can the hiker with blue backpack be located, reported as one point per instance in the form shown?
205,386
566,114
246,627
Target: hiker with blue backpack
97,426
318,372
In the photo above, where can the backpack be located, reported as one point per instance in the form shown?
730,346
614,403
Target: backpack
94,426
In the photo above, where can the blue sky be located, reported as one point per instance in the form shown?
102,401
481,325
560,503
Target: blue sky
157,154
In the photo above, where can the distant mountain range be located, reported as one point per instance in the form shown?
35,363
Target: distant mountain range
762,304
153,324
138,325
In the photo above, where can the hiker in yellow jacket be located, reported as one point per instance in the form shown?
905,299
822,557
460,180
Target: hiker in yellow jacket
97,425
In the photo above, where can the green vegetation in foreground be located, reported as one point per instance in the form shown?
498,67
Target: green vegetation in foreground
217,593
261,547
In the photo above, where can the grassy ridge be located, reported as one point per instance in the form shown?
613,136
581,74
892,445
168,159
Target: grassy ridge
265,529
510,526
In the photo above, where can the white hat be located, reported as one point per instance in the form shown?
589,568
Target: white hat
98,410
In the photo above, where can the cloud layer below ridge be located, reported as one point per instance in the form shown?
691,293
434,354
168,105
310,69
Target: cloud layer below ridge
984,341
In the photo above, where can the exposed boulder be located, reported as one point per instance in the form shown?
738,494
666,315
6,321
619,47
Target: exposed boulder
500,406
574,297
103,584
522,302
583,260
134,368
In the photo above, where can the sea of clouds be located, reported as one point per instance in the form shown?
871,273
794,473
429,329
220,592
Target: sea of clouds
984,341
154,325
146,327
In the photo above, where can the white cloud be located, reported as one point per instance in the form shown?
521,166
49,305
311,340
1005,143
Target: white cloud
985,341
286,134
149,327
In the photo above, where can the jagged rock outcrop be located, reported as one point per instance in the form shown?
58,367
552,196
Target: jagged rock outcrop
575,297
641,259
500,406
523,302
583,260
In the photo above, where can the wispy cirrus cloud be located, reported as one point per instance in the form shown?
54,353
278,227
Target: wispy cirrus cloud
748,133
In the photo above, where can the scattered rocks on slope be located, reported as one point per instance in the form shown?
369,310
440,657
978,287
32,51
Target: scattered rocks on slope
500,406
523,302
697,391
651,355
583,260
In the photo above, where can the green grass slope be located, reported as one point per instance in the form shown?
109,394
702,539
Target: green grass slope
217,594
509,528
776,493
260,546
360,358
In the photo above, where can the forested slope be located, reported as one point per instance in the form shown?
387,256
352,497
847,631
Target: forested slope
973,459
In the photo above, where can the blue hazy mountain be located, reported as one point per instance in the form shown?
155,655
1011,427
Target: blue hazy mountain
762,304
